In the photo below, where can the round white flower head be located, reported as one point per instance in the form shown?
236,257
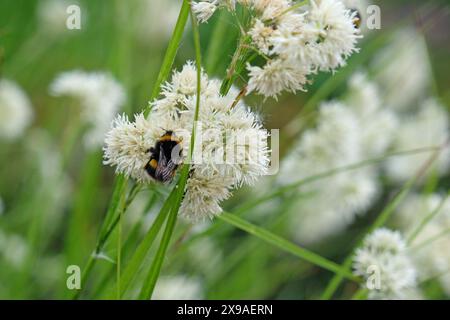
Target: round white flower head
331,204
178,288
16,112
204,9
100,95
337,34
294,41
276,76
230,149
384,263
430,246
428,128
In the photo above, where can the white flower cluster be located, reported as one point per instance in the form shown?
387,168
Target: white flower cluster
346,133
384,262
430,246
295,42
230,150
16,112
100,96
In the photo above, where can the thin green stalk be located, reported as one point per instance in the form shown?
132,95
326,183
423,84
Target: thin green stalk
171,51
152,276
162,76
287,246
119,248
139,255
215,47
119,189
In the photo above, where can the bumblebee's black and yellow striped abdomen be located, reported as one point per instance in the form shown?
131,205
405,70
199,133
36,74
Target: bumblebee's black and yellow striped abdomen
164,157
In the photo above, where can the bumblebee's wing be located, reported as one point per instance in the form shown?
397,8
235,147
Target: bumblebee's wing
165,169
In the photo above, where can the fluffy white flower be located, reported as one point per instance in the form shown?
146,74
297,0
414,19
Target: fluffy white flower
337,35
127,145
276,76
204,9
430,246
384,262
261,36
429,127
230,148
100,96
178,288
294,42
16,112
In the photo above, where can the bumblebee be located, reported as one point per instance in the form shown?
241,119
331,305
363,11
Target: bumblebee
164,157
357,19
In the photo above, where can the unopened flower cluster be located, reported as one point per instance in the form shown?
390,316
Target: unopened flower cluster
384,263
295,42
217,167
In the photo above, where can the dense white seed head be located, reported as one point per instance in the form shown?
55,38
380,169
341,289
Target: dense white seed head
16,112
204,9
230,149
276,76
384,255
295,41
337,35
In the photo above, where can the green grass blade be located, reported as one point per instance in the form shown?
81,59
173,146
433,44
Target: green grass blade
138,257
215,47
152,276
171,51
120,183
287,246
